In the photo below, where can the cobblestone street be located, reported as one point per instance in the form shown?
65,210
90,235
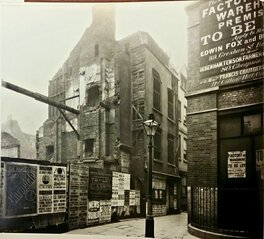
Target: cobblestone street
166,227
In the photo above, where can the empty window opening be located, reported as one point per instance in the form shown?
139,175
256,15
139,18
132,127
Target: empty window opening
93,96
88,147
49,152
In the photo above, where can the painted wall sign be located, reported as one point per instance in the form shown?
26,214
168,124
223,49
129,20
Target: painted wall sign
100,185
231,42
21,189
236,164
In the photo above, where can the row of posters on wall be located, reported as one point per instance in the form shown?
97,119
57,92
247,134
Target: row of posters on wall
95,195
29,189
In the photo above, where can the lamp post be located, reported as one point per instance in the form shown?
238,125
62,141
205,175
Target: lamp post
150,127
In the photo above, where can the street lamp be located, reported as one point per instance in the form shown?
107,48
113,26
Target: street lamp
150,127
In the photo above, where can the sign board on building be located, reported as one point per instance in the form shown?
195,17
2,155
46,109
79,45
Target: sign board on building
236,164
231,42
100,185
21,189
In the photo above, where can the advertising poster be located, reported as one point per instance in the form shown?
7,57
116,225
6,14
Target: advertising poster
105,211
231,42
21,190
100,185
93,212
236,164
2,178
126,198
137,197
132,198
126,181
260,162
73,197
59,189
115,183
83,195
45,192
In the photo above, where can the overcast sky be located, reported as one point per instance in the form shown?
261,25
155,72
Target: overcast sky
37,38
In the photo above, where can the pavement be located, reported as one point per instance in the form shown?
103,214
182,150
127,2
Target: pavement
166,227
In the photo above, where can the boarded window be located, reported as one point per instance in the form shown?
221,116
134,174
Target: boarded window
156,90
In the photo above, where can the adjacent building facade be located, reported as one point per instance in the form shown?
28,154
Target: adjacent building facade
115,85
182,137
10,146
225,118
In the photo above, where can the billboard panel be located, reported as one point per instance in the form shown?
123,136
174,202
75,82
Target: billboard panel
21,189
100,185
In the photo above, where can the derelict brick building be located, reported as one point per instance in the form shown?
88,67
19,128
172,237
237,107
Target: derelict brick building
115,85
225,118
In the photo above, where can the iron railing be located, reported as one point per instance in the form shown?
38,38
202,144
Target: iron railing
209,210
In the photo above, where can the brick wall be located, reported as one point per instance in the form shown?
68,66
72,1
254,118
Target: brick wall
243,96
202,149
201,102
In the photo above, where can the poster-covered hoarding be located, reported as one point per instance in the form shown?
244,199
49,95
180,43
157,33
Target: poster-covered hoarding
231,42
100,184
2,171
59,188
93,212
236,164
21,189
260,162
45,186
105,211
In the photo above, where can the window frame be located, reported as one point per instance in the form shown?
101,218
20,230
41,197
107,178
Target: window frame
156,92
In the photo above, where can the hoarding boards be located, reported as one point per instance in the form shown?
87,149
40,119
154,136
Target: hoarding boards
105,211
100,185
236,164
93,212
45,186
231,42
21,190
59,189
260,162
2,171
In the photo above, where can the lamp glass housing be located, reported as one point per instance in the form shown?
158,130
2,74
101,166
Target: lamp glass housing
150,127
